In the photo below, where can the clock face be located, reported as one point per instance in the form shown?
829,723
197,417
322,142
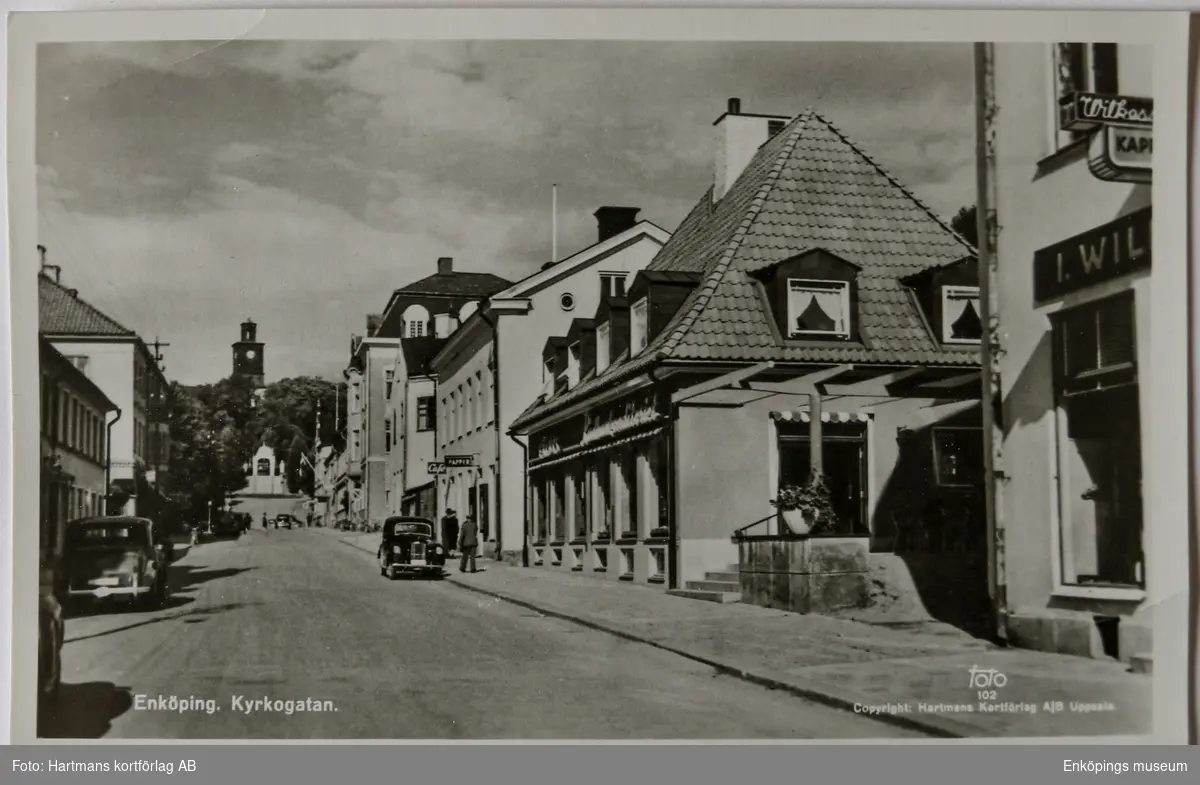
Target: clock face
250,354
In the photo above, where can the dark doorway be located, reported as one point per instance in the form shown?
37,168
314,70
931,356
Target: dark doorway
484,523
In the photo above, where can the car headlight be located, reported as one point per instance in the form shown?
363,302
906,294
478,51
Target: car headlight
397,549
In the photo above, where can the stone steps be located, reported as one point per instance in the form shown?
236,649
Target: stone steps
1142,663
733,576
713,584
722,597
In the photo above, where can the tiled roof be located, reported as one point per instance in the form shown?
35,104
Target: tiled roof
458,285
61,312
807,188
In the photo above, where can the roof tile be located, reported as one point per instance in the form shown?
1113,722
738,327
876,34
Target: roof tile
62,312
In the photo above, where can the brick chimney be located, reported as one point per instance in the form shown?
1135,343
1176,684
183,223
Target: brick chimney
373,322
614,220
445,266
738,137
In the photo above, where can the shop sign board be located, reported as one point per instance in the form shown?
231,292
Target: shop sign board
436,467
1122,154
1101,254
1089,111
460,461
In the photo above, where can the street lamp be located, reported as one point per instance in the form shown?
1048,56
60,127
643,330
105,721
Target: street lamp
210,514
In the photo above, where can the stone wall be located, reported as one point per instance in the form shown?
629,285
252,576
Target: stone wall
804,575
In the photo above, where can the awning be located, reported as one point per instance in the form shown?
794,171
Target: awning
574,454
802,415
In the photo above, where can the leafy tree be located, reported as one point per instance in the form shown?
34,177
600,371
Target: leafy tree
963,222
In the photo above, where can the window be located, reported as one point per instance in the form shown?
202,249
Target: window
604,489
387,435
774,127
542,510
579,489
467,310
560,507
658,473
818,308
567,301
960,315
480,411
629,467
612,284
426,411
1099,444
389,379
1082,68
264,467
416,322
573,363
958,456
638,325
602,344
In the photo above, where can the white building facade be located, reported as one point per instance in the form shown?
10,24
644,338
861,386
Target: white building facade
1072,204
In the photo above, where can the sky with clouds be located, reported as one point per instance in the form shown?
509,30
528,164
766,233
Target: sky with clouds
185,186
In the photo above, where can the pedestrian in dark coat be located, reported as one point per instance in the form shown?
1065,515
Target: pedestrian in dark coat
468,543
450,529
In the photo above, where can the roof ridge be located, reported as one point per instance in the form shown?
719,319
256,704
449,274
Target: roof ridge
709,286
888,175
74,295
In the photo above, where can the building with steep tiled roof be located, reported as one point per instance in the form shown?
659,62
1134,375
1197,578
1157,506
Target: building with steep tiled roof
807,312
117,361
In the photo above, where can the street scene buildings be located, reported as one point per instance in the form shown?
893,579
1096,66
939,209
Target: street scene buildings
803,420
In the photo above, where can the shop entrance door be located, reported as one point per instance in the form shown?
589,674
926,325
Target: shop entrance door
845,463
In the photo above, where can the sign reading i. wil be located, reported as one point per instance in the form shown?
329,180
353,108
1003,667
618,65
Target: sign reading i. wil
1101,254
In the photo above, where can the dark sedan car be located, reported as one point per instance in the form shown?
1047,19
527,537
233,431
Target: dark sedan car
408,548
116,558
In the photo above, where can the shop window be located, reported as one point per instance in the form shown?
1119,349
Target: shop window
818,308
541,511
560,507
579,489
958,456
426,412
1099,445
961,321
658,471
629,466
638,320
1082,68
605,502
603,333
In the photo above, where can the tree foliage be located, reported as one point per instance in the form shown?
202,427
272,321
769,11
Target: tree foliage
217,428
963,222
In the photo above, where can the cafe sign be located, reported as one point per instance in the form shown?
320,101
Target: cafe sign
1089,111
1095,256
435,468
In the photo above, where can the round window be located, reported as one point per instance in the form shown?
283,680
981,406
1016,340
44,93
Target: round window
567,301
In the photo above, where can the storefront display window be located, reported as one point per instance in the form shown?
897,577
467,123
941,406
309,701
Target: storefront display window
629,462
604,488
658,471
579,483
541,507
560,507
1099,438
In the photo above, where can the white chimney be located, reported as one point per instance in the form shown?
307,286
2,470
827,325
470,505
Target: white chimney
738,137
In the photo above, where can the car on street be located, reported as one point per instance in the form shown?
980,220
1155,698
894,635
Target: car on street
283,520
117,558
408,547
227,525
50,641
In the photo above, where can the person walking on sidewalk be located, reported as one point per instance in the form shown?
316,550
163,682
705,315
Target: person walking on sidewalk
468,542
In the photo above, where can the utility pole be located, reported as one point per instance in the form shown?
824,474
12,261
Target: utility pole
158,356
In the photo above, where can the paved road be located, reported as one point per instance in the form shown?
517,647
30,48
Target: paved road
298,615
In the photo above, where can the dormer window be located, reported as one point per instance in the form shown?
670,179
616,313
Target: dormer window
612,284
603,335
574,358
961,322
818,308
638,326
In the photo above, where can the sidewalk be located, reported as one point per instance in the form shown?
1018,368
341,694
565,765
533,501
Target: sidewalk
919,677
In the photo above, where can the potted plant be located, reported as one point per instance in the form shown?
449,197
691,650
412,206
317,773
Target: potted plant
806,509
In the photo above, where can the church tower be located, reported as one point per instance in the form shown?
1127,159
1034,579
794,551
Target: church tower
248,355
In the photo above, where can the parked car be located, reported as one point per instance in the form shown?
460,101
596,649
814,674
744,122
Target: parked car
408,547
50,641
227,525
116,558
283,520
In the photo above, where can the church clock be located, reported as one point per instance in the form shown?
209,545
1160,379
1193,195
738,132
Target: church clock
248,355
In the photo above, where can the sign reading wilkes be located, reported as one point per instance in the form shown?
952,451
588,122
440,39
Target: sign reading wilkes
1101,254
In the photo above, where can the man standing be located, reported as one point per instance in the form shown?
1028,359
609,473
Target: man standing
468,542
450,529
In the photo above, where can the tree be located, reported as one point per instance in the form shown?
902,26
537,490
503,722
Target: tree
963,222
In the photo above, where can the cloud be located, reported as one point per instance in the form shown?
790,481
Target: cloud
186,185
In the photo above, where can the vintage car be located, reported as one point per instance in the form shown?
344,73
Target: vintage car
116,558
407,547
283,520
227,524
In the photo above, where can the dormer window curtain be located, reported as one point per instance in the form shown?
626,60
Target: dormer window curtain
961,322
603,336
818,308
638,326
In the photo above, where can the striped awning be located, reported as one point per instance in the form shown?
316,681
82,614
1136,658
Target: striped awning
574,454
802,415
